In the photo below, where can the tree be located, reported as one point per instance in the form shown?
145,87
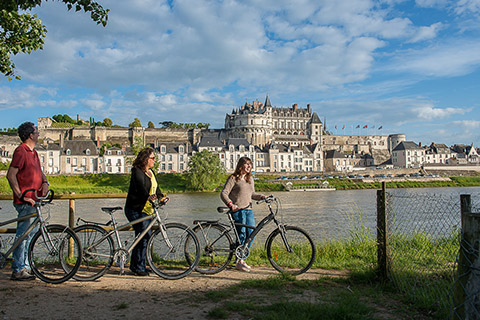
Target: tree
24,33
205,171
107,122
136,123
151,125
166,124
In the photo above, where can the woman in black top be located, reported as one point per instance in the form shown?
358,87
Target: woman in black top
143,187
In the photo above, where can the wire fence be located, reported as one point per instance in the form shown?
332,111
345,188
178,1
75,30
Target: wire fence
466,293
424,233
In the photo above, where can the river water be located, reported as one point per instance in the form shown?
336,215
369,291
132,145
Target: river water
324,214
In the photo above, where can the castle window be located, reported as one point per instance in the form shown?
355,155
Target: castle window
87,152
163,149
69,152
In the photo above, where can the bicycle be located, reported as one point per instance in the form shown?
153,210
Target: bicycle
54,252
168,254
290,249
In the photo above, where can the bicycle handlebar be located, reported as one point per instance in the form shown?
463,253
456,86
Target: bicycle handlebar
268,199
48,196
159,202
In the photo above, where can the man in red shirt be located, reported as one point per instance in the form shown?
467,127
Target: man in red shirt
25,172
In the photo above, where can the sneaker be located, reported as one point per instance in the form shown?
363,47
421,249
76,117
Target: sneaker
245,264
240,266
22,275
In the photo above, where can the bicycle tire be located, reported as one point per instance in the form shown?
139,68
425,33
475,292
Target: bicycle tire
303,250
96,260
171,263
216,248
48,262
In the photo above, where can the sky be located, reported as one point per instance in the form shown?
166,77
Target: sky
410,67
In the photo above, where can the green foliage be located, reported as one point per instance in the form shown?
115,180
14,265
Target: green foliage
9,131
174,125
107,122
64,118
205,171
151,125
136,123
24,33
4,165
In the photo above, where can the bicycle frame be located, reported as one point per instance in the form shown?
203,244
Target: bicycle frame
116,229
38,221
265,221
25,234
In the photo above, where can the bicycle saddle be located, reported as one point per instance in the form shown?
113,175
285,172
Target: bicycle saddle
223,209
111,209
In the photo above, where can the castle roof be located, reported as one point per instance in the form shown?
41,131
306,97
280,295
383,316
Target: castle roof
315,118
267,102
237,142
80,147
210,141
406,145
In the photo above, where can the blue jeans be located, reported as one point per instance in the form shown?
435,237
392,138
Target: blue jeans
244,216
138,262
20,254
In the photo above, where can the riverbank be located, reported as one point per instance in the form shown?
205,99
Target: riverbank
176,183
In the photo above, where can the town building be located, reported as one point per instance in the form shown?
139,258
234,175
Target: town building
408,155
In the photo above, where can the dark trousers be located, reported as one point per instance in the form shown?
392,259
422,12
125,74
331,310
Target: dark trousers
139,254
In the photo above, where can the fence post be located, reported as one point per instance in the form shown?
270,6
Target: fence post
467,285
71,222
382,231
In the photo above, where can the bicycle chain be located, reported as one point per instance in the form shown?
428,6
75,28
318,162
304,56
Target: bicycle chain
242,252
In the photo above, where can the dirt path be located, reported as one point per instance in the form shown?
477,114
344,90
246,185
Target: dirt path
114,296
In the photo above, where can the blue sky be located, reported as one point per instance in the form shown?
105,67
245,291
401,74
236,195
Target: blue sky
412,67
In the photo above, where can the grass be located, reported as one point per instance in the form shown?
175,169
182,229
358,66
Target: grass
283,297
176,183
421,269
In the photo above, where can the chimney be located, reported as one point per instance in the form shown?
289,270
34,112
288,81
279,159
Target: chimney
295,107
308,108
420,144
98,142
61,141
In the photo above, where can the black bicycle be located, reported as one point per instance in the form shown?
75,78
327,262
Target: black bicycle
55,251
290,249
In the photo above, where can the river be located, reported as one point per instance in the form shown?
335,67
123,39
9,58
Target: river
324,214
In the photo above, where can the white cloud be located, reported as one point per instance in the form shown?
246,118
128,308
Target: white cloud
430,113
427,33
451,58
466,6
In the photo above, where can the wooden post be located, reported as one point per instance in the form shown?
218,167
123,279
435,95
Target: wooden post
71,223
467,286
382,231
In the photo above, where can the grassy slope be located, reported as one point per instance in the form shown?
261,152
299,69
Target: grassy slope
175,183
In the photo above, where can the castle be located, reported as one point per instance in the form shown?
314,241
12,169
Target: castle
278,139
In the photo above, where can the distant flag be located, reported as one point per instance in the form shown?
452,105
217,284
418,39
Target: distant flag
380,127
358,126
365,126
343,127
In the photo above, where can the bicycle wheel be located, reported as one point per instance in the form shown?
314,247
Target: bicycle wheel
52,249
216,248
97,256
302,255
167,256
